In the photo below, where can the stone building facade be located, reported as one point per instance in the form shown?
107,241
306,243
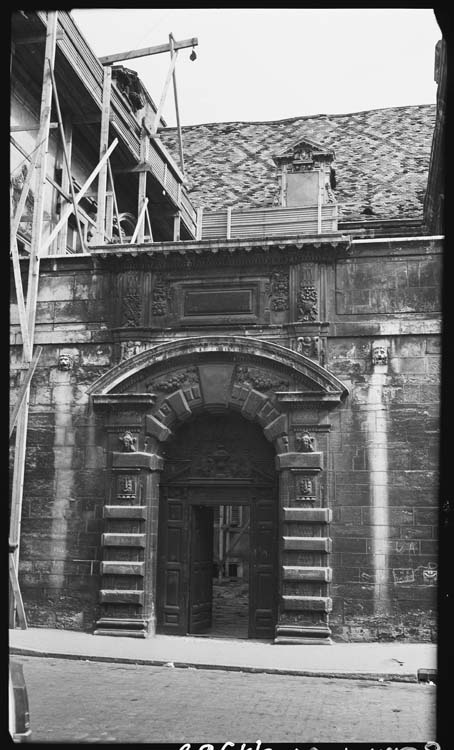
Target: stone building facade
296,375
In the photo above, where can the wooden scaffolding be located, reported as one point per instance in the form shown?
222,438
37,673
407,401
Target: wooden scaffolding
107,210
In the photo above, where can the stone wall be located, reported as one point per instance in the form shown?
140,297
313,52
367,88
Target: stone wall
382,449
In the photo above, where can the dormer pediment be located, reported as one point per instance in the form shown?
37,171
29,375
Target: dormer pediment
304,154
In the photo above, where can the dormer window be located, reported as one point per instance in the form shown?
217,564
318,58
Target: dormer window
307,177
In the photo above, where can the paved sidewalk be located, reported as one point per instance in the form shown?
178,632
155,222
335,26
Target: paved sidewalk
385,661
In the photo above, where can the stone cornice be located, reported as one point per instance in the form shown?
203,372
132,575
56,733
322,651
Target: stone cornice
230,252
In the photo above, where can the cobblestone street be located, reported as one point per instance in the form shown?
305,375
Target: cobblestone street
83,702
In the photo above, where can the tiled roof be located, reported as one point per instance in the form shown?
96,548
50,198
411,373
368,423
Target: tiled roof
381,159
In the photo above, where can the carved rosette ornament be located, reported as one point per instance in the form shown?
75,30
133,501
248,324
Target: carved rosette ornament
307,305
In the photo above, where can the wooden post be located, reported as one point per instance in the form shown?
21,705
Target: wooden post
150,231
20,295
199,212
176,227
177,111
109,214
112,187
67,159
229,221
32,290
23,389
142,192
319,205
26,186
157,118
104,142
140,223
17,595
69,209
63,235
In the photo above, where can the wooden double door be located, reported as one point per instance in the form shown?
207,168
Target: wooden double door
185,555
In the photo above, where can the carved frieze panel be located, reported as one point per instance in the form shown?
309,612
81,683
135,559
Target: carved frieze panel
308,345
126,487
279,291
181,379
131,300
258,379
161,296
307,302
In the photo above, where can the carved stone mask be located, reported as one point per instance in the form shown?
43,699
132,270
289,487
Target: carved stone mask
379,355
65,362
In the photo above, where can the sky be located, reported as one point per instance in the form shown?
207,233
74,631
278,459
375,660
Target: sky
263,64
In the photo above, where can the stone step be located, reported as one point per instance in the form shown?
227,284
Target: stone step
309,543
319,603
306,573
110,567
120,596
123,540
125,511
308,515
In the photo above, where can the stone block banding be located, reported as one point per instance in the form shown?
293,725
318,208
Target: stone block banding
310,544
122,568
120,596
123,540
299,460
310,603
308,515
125,511
302,573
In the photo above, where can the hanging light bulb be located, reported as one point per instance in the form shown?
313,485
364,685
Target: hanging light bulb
193,55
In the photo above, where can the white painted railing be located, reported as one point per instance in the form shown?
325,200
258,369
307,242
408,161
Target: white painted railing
269,222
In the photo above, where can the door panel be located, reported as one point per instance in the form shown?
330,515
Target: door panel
201,570
173,564
263,578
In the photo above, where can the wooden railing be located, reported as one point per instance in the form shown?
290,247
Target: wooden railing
90,71
269,222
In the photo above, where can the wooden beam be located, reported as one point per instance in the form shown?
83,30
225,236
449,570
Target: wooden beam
102,179
176,227
157,118
199,222
177,111
69,209
142,189
20,296
145,51
67,157
23,389
140,222
32,289
17,595
65,178
22,128
112,187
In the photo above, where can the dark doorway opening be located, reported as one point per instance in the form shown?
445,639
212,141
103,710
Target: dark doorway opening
231,571
217,544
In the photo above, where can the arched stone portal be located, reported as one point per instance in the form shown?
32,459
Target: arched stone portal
146,399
